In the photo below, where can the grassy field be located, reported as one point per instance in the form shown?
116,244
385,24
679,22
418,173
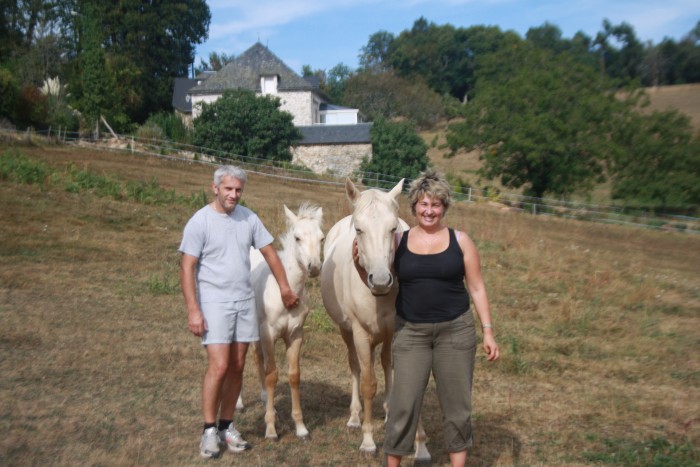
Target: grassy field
599,328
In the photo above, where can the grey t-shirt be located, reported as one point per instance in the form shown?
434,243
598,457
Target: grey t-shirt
222,244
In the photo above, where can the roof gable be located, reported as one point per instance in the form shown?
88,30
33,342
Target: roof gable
244,72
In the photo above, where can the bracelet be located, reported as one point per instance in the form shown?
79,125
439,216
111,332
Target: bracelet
487,326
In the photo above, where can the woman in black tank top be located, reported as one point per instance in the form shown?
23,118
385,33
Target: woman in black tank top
434,329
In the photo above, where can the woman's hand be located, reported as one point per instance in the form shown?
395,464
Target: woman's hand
490,346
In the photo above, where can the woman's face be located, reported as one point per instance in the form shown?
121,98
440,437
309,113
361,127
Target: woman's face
429,211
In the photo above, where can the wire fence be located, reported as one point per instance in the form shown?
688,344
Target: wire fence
167,149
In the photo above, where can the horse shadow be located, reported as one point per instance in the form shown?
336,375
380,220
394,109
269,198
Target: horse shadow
327,405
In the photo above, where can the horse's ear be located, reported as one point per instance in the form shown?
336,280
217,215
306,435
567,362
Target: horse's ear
291,217
396,191
318,213
351,190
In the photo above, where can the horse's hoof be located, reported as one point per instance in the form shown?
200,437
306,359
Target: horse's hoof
304,438
353,425
369,453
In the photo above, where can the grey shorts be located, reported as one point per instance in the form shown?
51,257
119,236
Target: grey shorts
229,322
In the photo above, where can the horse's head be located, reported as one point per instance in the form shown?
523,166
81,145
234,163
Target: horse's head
376,220
305,230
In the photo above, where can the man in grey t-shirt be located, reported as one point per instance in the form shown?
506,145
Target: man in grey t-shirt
215,276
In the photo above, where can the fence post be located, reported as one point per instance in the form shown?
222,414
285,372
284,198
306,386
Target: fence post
534,208
469,195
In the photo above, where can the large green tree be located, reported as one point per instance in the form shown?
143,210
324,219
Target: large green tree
397,150
541,121
445,57
146,45
243,124
658,162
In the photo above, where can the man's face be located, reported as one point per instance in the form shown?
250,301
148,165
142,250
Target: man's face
228,193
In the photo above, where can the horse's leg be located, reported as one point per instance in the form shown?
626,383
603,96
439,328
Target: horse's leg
368,387
388,374
269,381
293,351
355,406
422,455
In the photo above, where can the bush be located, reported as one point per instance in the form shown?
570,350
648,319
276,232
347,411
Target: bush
172,126
31,107
8,93
150,130
242,124
397,150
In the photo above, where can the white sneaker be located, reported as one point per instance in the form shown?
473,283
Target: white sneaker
233,439
209,444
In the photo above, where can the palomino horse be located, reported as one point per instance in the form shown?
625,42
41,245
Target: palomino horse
301,256
365,312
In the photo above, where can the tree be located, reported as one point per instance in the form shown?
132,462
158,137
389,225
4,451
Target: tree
397,150
542,121
622,63
658,164
375,55
96,97
216,62
386,95
242,124
445,57
154,40
334,84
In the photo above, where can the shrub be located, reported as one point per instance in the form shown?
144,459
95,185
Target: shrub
150,130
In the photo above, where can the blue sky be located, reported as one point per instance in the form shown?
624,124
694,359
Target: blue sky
323,33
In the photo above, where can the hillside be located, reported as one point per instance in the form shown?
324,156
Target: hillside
598,327
684,98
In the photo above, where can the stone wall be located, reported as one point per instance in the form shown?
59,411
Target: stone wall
336,159
299,105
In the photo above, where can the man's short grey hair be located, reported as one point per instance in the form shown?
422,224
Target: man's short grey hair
229,171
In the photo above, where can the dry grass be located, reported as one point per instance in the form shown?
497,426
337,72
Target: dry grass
599,328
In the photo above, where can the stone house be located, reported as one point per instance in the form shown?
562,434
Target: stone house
335,138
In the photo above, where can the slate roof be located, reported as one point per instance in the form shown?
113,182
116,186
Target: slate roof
336,134
245,70
181,101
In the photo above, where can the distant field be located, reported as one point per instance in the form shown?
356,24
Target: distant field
684,98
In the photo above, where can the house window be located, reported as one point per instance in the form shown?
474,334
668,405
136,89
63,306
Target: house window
268,84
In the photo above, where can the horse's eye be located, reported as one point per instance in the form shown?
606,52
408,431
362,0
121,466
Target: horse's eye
297,239
358,231
393,230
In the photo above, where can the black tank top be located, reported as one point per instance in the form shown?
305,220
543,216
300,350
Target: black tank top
431,287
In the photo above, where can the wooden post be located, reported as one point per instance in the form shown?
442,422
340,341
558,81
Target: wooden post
108,127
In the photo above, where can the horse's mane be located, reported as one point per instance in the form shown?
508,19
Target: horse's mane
370,198
307,210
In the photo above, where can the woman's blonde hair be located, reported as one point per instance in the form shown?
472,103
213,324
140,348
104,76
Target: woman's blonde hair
430,183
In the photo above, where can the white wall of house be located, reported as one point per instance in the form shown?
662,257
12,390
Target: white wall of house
339,117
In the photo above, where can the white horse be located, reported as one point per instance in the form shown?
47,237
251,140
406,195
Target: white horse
301,256
365,312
